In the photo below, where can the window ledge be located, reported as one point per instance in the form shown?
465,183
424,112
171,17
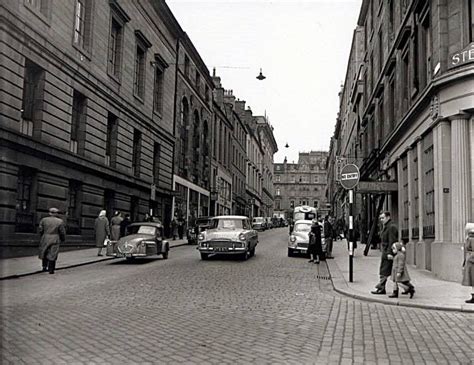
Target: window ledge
46,19
139,98
84,52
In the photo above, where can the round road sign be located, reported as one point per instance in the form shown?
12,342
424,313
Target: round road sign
349,176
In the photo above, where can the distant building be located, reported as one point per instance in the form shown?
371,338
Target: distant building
301,183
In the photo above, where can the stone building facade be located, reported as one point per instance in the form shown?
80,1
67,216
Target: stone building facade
193,118
301,183
411,113
87,112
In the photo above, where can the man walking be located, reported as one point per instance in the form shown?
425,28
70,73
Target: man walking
53,233
389,236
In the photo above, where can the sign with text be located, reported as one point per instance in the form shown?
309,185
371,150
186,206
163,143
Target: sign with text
349,176
462,57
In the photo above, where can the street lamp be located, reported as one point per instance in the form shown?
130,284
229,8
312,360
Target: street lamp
260,76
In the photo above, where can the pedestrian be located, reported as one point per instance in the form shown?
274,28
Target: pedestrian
468,266
174,227
124,224
53,233
102,231
400,274
115,223
328,236
181,223
315,249
389,237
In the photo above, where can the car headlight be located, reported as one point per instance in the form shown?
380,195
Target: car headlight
204,244
201,237
292,239
191,230
242,237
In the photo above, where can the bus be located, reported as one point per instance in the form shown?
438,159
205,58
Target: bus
304,212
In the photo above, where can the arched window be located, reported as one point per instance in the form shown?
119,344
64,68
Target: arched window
205,150
196,144
183,136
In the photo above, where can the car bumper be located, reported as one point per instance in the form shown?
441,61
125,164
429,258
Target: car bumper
298,248
118,255
223,250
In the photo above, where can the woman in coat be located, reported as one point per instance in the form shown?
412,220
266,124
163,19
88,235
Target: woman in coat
315,248
102,231
115,226
468,269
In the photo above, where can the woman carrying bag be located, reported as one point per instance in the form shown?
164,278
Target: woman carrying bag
315,248
102,231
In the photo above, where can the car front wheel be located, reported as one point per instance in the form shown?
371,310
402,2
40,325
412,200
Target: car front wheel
290,253
165,255
204,256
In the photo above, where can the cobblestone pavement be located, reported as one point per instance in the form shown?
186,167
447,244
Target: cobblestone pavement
270,309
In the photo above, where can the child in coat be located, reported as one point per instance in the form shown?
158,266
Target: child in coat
400,275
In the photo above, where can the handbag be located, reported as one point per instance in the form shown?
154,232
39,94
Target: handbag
106,242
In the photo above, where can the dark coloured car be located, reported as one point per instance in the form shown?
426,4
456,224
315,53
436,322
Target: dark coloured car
200,225
142,240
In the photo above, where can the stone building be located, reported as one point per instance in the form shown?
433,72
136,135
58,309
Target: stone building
301,183
407,117
86,113
193,118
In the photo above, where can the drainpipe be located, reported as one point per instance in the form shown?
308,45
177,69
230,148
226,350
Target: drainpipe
174,125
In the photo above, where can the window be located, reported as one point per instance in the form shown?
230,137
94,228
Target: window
381,123
423,45
316,179
183,138
278,191
41,6
405,80
381,44
277,178
24,219
115,48
471,20
156,163
416,211
139,79
76,144
391,104
206,94
315,204
83,24
428,187
198,82
160,67
111,140
186,66
405,198
32,101
137,144
196,147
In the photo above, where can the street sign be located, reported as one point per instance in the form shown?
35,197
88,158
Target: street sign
349,176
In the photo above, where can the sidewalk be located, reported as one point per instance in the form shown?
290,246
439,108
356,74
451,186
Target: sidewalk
431,292
30,265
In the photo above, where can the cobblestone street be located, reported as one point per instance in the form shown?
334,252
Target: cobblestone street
269,309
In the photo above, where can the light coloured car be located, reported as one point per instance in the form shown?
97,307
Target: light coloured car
259,223
142,240
228,235
299,238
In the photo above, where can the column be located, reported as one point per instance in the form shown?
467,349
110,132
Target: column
471,152
461,181
410,153
400,196
442,180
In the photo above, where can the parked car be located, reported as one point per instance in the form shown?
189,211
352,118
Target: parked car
299,238
200,225
142,239
269,222
228,235
259,224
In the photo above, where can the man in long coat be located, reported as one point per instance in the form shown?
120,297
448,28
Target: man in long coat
388,237
53,233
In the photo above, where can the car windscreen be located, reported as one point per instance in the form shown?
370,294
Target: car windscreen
302,227
227,223
147,230
258,220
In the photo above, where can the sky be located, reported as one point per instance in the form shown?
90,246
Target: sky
302,48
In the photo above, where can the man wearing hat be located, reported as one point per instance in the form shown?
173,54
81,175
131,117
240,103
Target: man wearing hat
53,233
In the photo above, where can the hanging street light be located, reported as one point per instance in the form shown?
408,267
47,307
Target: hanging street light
260,76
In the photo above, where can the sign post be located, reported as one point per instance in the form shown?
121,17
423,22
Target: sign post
349,180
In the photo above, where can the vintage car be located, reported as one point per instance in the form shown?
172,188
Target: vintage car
259,223
200,225
228,235
142,239
299,237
